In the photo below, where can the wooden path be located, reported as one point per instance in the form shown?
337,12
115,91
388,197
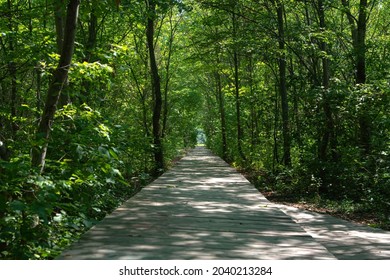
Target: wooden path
204,209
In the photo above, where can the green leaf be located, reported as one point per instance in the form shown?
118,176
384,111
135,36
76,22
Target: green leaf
18,205
113,154
103,151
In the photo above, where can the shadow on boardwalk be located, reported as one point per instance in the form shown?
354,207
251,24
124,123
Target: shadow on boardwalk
204,209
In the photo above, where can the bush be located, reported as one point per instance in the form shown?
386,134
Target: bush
43,213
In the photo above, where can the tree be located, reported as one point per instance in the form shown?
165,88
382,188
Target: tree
156,88
236,64
328,135
56,86
358,27
293,92
282,64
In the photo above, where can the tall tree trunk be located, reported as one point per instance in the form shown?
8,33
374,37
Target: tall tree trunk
328,133
5,153
92,35
360,52
275,158
358,31
222,114
14,96
56,86
283,85
253,106
38,71
45,14
168,72
59,20
12,70
90,46
360,45
296,129
156,88
237,87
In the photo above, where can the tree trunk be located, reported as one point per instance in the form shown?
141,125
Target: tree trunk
328,134
156,88
12,70
5,153
275,158
59,20
253,106
89,57
14,96
92,36
222,114
359,30
237,88
38,71
283,86
168,73
56,86
360,52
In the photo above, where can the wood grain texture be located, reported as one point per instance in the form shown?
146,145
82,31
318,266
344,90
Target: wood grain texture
200,209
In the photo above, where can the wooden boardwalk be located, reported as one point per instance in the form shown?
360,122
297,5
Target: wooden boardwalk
204,209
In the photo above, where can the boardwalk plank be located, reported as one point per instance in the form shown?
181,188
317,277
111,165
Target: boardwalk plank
345,240
201,209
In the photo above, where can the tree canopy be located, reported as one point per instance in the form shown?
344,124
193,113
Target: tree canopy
100,97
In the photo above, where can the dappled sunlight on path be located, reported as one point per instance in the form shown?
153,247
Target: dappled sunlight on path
200,209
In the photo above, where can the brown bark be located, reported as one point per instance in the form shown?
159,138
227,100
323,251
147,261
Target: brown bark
12,71
5,153
253,106
90,46
237,88
38,72
275,159
283,86
156,88
59,19
328,136
92,35
359,30
222,114
364,119
56,86
168,73
361,43
14,95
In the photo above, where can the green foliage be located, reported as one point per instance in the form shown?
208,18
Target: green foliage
328,122
100,149
44,213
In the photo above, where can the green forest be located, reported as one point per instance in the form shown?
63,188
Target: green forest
99,97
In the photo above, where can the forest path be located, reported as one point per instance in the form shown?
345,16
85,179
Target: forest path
204,209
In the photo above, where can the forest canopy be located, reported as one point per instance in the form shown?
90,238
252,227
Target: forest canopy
100,97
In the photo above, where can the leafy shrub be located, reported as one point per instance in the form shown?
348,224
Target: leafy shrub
42,213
